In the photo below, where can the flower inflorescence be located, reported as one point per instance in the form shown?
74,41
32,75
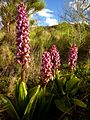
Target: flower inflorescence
55,57
72,59
50,62
22,36
46,67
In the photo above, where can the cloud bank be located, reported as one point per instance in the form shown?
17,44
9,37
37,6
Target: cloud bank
46,17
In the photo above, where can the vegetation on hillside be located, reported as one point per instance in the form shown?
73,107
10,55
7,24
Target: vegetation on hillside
60,93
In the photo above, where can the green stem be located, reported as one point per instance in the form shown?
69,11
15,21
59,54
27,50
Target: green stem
22,73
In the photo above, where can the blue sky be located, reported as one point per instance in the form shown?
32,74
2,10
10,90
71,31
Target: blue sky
50,14
53,11
56,6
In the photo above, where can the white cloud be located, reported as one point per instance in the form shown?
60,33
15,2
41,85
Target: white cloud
45,17
45,13
51,21
70,3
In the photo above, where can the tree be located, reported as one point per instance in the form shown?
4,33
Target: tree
8,10
77,11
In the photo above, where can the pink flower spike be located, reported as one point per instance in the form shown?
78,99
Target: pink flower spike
22,36
72,58
55,57
46,67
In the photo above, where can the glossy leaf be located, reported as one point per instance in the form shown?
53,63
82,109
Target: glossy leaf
62,105
71,83
59,84
79,103
74,90
22,99
31,105
32,91
22,92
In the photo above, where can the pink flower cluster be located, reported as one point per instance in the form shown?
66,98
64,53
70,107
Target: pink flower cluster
22,36
46,68
55,57
50,62
72,59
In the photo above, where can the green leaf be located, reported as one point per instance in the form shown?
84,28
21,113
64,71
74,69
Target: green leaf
44,103
42,97
22,98
9,107
22,92
47,106
60,83
71,83
32,91
75,90
79,103
62,105
17,92
31,105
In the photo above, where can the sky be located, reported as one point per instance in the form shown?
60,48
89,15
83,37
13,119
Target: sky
54,9
50,15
